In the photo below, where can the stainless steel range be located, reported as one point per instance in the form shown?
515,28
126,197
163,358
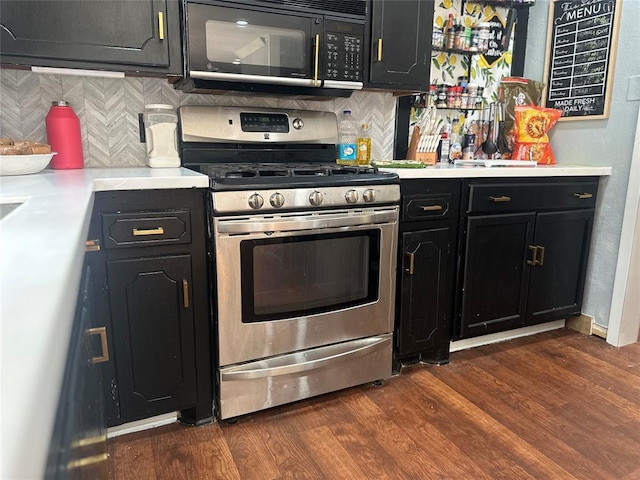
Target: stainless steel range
303,254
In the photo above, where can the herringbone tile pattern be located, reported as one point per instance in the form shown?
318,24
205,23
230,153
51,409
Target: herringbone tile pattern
108,111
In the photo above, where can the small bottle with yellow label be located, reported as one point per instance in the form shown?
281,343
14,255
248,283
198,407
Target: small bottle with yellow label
364,146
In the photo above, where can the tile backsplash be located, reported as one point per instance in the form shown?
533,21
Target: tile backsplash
108,111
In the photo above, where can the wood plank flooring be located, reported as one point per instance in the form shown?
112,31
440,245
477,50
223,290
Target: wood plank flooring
558,405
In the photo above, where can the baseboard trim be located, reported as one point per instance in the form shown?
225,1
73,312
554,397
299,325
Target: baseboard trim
586,325
599,331
144,424
503,336
581,323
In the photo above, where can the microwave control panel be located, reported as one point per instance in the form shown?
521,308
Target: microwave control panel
343,57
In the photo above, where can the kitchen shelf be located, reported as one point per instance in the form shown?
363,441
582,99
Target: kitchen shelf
457,50
460,109
501,3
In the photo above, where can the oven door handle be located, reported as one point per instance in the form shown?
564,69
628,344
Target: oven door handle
250,371
315,222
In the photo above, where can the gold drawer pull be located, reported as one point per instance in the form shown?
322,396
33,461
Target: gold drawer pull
379,49
431,208
583,195
161,25
185,293
150,231
502,198
102,331
534,254
411,257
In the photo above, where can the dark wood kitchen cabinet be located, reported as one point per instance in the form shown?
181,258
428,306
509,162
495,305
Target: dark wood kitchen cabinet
153,302
524,252
426,270
78,447
125,35
400,44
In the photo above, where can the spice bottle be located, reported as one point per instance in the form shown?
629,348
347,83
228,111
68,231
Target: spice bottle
450,33
63,134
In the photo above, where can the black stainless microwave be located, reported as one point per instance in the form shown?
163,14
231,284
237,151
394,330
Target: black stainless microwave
314,44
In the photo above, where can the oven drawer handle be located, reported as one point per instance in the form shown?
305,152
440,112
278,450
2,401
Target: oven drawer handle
301,367
305,223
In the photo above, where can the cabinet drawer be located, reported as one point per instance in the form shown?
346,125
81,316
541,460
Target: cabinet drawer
146,228
424,207
511,197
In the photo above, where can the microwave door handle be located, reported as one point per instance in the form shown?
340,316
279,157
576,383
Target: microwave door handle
316,60
240,77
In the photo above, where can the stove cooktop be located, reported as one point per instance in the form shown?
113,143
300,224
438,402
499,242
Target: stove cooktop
233,176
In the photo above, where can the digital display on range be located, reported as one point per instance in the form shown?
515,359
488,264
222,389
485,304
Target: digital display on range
264,122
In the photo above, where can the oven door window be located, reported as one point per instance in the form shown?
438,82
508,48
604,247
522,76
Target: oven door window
250,43
305,275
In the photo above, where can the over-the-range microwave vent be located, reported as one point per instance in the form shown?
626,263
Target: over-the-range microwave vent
215,87
350,7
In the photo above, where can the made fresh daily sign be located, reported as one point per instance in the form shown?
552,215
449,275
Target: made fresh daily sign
581,43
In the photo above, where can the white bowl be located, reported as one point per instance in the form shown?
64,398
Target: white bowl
24,164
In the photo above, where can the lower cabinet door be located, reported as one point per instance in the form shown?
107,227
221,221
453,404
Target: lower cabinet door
557,278
153,329
496,273
425,293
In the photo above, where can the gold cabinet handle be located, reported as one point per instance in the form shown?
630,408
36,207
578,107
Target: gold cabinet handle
541,261
185,293
86,461
148,231
102,331
92,245
431,208
317,55
379,49
583,195
501,198
161,25
534,251
88,442
412,259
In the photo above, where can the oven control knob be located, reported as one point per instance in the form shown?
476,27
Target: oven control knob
351,196
276,200
315,198
256,201
297,123
369,196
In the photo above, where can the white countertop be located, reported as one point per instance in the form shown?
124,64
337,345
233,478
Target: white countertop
450,171
41,252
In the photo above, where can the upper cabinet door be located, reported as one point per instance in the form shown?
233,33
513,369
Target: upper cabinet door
63,33
401,43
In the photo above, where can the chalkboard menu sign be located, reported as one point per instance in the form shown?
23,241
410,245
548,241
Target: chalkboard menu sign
581,48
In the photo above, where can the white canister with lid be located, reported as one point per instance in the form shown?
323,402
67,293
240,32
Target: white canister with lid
160,126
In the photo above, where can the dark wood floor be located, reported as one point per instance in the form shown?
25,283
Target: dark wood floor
558,405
